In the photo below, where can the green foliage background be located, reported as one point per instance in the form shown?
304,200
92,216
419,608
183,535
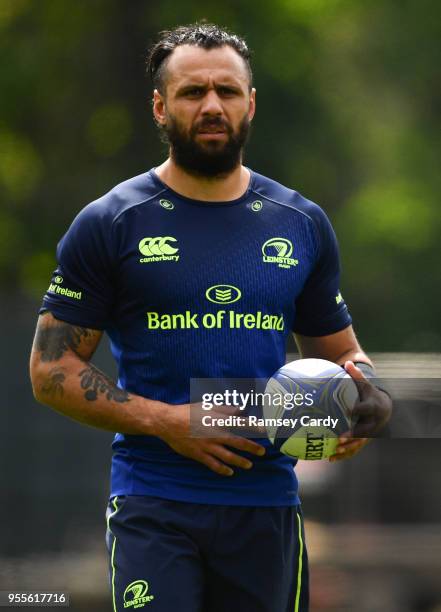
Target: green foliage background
349,103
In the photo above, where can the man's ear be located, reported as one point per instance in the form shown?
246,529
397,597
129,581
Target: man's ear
252,108
159,111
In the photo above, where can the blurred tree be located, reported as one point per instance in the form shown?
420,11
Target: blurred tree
348,114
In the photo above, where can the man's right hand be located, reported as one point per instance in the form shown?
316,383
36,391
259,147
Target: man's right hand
173,426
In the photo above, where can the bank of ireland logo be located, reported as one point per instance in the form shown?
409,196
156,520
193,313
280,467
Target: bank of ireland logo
56,287
279,251
159,248
223,294
135,594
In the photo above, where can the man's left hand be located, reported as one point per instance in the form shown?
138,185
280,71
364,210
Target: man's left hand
372,412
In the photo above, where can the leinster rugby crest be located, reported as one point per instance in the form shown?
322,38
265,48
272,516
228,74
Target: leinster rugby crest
278,251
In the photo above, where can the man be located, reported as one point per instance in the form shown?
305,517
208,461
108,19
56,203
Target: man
169,264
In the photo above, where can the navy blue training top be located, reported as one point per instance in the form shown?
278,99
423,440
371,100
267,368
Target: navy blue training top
155,269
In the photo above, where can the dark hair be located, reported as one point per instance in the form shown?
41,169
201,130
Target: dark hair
201,34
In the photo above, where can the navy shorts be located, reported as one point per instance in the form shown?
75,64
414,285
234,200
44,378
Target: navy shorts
169,556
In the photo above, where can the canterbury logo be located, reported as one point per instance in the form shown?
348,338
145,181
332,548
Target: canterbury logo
158,249
157,246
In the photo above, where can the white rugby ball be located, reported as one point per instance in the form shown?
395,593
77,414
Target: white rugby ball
307,406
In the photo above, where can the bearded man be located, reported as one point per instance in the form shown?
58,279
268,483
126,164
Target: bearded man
172,266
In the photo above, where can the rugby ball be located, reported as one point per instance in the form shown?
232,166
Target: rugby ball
307,406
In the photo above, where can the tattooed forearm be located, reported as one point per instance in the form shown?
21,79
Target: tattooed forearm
55,340
53,386
93,381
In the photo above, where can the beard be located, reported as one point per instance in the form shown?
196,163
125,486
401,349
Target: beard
207,159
